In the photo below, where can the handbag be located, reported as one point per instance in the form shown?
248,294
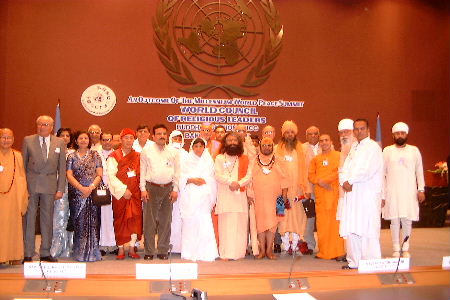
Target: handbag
310,207
101,195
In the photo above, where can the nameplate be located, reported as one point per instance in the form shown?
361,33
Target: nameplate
446,262
163,271
383,265
54,270
294,296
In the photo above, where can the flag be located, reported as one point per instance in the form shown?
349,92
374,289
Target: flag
378,133
57,118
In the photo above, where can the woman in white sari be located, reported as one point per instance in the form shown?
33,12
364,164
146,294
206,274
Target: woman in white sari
197,198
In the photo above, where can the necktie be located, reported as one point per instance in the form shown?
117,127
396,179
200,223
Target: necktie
44,149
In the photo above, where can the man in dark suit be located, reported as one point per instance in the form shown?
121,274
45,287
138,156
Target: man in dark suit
44,158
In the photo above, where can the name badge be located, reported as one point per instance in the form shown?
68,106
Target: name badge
169,163
101,192
288,158
266,171
325,163
227,164
1,168
57,150
131,173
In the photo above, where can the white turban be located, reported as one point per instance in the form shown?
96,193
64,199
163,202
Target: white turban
400,126
345,124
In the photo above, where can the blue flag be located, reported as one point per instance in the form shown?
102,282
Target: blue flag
378,133
57,118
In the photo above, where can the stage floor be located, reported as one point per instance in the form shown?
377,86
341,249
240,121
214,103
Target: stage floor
255,279
427,247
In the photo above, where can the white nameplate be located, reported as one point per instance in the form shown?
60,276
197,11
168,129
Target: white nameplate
446,262
294,296
54,270
383,265
163,271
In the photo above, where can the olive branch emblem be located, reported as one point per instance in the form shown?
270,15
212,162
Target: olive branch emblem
178,71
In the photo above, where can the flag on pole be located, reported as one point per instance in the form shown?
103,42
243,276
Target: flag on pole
57,118
378,133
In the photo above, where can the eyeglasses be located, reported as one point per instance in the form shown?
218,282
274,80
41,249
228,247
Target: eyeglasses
6,137
44,124
106,140
95,132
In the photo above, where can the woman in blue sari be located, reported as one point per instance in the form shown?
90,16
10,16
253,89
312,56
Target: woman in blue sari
84,173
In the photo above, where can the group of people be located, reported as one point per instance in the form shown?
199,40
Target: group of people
231,194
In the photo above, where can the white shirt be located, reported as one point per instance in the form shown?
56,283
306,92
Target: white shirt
116,186
403,175
361,208
159,166
97,147
47,142
138,148
104,156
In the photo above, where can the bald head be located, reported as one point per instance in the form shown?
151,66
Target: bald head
312,135
269,131
44,125
241,130
94,133
6,139
206,130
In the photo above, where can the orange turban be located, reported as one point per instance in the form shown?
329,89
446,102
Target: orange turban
289,125
127,131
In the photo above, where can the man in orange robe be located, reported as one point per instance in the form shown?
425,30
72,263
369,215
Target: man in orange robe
268,183
324,174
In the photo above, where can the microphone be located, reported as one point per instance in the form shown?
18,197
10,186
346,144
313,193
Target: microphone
401,253
172,295
291,284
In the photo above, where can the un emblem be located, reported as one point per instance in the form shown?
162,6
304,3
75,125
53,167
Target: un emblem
219,39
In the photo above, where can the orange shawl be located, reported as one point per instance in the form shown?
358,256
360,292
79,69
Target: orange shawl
242,171
302,169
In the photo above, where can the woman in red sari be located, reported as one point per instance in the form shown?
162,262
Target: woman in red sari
123,172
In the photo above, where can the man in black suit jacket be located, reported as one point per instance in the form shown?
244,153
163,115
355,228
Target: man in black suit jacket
44,158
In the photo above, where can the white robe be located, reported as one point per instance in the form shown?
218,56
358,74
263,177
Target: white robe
107,236
196,203
403,178
361,208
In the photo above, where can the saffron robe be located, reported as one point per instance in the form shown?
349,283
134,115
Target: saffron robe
325,167
13,205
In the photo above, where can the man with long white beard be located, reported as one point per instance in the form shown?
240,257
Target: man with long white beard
346,137
403,187
361,178
290,150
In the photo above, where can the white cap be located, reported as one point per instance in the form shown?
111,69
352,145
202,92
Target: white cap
345,124
400,126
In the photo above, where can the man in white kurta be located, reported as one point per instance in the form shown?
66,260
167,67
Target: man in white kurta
233,174
107,238
176,142
346,137
403,187
361,178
